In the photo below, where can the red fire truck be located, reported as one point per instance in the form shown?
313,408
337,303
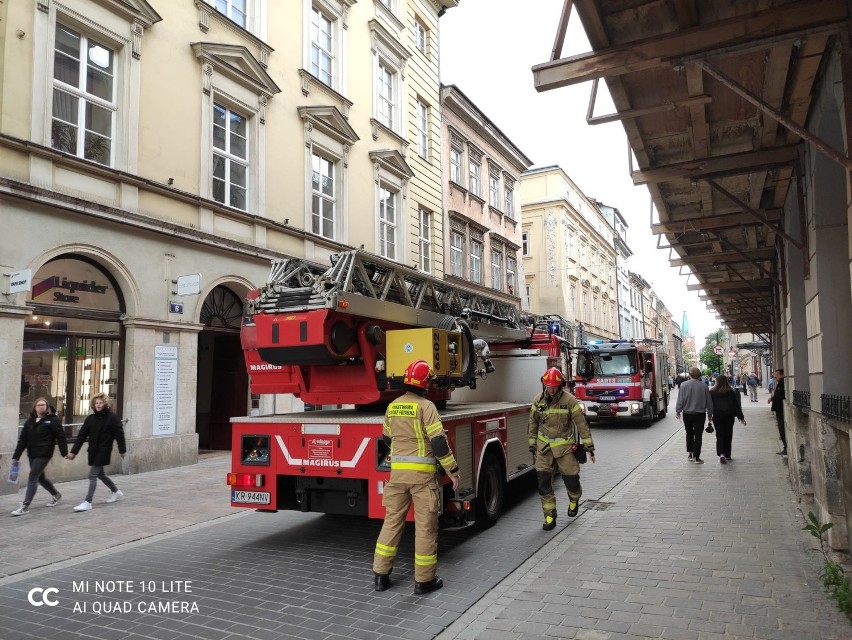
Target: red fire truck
623,381
341,340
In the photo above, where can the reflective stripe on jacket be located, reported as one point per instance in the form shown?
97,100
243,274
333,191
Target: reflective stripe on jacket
411,422
553,422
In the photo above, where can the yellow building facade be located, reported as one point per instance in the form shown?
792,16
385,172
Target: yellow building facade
154,156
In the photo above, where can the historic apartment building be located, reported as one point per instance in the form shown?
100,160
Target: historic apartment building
569,259
483,237
154,156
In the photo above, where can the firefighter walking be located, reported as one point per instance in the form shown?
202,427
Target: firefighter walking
556,426
418,443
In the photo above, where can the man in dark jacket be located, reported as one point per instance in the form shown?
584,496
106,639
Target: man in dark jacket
39,436
777,400
102,428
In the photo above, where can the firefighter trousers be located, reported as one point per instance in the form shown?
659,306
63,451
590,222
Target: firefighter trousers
397,498
546,466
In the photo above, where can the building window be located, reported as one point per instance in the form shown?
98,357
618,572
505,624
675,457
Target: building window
457,254
475,171
496,269
322,47
456,156
595,319
230,157
585,316
323,198
421,38
387,224
422,130
574,300
234,9
476,261
83,96
386,95
525,243
425,240
511,270
509,200
528,294
494,190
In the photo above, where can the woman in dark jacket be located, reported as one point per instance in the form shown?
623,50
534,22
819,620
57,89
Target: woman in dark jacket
102,428
39,436
726,407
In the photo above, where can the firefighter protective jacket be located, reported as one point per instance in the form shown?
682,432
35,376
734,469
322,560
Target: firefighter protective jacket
552,423
418,440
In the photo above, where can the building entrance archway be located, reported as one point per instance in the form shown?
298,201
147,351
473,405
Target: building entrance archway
222,378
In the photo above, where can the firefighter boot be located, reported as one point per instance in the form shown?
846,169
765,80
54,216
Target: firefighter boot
422,588
382,581
549,520
573,506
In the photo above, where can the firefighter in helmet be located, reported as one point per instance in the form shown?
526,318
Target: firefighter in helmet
556,427
418,444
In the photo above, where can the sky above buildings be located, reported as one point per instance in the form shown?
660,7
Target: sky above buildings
488,48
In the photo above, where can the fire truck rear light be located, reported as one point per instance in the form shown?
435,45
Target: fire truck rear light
343,304
245,479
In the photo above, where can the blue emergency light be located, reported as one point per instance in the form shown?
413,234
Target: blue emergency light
554,328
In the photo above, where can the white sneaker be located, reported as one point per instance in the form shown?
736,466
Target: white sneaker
84,506
21,511
115,495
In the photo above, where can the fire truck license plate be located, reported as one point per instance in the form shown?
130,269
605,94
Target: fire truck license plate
250,497
607,398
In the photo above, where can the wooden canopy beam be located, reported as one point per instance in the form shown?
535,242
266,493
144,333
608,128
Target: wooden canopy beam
732,164
710,223
735,33
724,258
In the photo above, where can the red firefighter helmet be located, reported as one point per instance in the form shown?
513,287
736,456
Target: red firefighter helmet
418,374
553,378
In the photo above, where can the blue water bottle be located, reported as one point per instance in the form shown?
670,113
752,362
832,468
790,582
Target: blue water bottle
13,472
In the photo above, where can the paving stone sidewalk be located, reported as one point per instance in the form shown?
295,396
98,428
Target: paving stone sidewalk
156,502
677,550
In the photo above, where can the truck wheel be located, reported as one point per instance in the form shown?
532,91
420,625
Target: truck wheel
489,497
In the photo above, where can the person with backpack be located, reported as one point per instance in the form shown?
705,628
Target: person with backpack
726,408
752,387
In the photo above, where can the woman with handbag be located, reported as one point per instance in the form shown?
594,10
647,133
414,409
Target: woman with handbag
727,407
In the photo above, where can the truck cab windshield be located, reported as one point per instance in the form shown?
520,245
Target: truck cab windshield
608,364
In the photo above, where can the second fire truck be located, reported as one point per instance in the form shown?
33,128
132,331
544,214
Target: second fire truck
623,381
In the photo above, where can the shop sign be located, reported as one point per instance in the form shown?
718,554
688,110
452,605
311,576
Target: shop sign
20,281
189,285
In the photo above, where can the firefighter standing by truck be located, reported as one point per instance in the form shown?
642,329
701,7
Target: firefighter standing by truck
557,427
418,443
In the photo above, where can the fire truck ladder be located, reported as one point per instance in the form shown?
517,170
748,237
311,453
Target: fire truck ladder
367,285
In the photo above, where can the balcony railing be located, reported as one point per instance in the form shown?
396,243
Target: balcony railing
838,407
802,399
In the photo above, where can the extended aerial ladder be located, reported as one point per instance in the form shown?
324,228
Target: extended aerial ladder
321,335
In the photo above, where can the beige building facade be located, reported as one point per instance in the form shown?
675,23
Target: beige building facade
482,170
154,156
569,255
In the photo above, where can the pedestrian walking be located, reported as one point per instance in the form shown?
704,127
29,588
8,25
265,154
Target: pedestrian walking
777,405
557,428
752,387
727,407
102,429
694,402
413,430
39,437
